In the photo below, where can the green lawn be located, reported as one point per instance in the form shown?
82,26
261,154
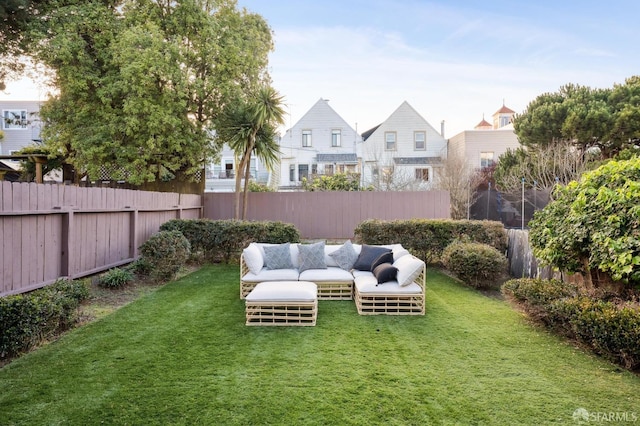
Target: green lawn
182,355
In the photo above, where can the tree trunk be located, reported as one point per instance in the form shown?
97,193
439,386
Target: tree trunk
236,214
247,176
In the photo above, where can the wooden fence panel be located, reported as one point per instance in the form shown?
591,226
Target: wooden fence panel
53,231
331,214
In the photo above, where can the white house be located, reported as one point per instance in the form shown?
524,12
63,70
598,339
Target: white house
403,152
220,175
20,125
320,143
486,142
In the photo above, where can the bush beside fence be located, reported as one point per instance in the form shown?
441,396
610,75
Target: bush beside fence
427,238
222,240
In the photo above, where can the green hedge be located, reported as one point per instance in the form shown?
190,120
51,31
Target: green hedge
427,238
609,328
27,319
222,240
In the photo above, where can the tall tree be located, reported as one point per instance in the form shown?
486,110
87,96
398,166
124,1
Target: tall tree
602,119
249,127
142,83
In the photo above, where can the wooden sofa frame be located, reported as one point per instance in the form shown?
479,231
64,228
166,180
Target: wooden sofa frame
392,303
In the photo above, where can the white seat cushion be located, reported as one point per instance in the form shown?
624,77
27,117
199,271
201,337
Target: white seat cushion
368,284
283,291
272,275
333,273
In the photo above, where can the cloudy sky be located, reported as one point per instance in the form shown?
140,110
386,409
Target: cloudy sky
451,60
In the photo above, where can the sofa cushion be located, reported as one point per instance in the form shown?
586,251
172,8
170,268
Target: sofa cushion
331,274
271,275
252,256
409,268
383,258
385,272
368,284
283,291
278,256
345,256
368,255
311,256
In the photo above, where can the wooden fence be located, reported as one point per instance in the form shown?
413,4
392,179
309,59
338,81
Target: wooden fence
56,231
331,214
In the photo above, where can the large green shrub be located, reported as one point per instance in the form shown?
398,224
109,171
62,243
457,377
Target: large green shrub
478,265
593,223
427,238
224,239
166,252
27,319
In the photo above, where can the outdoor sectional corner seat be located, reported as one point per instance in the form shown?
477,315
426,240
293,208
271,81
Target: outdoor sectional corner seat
381,279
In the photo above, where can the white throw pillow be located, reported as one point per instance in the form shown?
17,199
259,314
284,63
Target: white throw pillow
253,258
409,268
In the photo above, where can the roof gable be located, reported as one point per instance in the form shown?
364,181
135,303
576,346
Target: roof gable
322,109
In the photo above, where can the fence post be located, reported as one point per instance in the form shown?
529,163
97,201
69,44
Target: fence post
66,245
133,234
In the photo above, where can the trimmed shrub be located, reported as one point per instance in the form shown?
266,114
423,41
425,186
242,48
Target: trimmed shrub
611,330
427,238
538,292
116,278
478,265
222,240
537,296
166,252
27,319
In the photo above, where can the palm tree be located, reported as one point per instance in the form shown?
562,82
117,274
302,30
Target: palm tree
250,127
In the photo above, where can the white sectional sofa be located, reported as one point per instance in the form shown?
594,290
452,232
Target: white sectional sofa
381,279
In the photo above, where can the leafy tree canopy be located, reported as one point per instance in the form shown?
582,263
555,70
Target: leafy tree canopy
594,223
142,83
606,119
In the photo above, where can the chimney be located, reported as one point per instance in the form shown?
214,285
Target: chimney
442,128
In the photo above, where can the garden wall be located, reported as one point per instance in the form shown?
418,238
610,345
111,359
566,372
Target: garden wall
53,231
331,214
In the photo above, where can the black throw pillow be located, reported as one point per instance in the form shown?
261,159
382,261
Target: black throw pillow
385,272
383,258
367,255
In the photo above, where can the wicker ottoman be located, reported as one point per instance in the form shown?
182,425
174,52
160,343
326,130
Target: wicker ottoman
282,303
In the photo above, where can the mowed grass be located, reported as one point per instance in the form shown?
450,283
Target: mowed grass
182,355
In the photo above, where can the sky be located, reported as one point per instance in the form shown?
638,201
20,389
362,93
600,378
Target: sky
455,61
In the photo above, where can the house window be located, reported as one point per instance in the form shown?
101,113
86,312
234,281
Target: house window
390,141
504,120
419,141
486,159
328,169
306,138
314,169
292,173
335,138
14,119
303,171
422,174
